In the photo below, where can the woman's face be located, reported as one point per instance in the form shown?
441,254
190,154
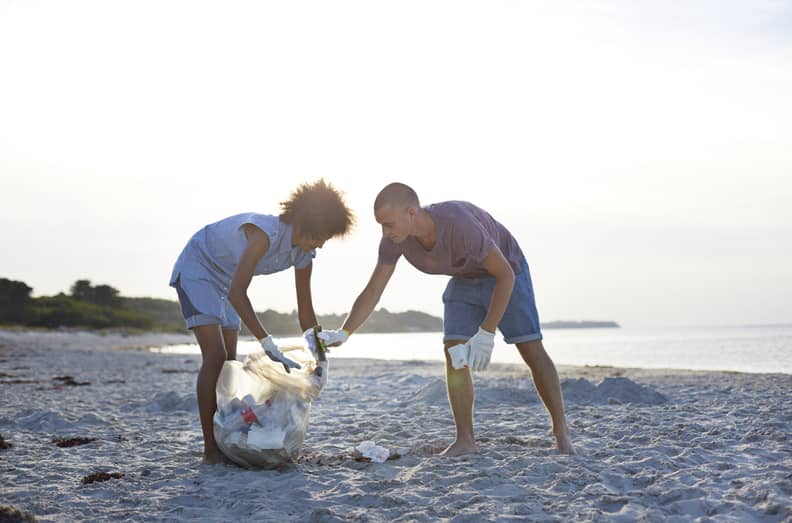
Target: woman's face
306,243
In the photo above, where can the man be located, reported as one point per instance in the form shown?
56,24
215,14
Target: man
490,288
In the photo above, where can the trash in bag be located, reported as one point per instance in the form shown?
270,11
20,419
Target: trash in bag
262,411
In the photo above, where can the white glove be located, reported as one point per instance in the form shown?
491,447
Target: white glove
333,338
480,349
311,340
274,353
459,355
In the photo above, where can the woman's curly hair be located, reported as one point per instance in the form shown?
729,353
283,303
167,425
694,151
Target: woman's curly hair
319,210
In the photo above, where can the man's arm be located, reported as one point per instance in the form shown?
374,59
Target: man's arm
479,347
305,310
495,264
258,244
368,299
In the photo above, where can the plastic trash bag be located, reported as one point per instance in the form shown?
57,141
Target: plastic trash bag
262,412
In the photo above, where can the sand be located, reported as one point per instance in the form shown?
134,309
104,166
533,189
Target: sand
652,445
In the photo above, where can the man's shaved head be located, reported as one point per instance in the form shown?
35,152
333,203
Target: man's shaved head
396,195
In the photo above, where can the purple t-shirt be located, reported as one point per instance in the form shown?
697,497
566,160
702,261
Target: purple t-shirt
464,235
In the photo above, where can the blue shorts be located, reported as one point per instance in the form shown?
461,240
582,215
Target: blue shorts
203,303
467,300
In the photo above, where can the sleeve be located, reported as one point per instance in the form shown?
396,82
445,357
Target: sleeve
476,241
267,223
305,260
389,252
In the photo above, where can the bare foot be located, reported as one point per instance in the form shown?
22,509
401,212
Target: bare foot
564,444
459,448
213,458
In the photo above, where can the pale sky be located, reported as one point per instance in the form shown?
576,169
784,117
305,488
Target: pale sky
640,152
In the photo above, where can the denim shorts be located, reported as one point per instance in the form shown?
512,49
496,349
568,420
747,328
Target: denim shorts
467,300
203,303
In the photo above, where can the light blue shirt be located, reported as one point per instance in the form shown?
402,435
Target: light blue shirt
213,253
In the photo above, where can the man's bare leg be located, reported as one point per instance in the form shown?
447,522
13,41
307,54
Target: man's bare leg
210,339
461,394
545,378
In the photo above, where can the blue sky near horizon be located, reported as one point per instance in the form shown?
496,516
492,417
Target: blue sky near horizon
641,152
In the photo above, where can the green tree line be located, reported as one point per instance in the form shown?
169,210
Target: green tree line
102,307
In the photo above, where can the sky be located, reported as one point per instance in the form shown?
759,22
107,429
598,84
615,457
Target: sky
640,152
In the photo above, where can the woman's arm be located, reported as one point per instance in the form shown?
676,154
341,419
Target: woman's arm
305,310
258,245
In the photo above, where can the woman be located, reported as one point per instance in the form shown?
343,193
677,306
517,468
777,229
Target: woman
214,271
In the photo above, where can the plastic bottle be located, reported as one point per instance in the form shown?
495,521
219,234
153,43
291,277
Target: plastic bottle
234,421
241,415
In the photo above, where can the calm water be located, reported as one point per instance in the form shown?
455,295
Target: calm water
746,349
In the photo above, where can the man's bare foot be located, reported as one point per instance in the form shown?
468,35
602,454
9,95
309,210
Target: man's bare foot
213,458
460,448
564,444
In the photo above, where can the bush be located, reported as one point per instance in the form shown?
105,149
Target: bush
62,310
14,301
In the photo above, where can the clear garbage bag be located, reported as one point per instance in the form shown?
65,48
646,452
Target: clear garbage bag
262,411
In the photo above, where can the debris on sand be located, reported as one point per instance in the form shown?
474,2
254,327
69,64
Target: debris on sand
101,476
72,442
69,381
9,514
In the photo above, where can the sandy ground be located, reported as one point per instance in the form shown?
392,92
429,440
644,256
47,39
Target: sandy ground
653,445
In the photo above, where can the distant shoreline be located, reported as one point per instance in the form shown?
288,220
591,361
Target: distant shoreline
102,308
581,325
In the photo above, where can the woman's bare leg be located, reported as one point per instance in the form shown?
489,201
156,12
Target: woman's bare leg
210,339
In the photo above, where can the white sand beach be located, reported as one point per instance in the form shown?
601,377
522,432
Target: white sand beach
652,445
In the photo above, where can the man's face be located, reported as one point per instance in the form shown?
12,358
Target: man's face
397,222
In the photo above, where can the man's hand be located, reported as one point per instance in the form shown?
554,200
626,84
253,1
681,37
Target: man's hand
274,353
333,338
480,349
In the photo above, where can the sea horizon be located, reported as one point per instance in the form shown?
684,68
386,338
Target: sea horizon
754,348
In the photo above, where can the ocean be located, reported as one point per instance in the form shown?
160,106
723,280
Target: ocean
742,349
